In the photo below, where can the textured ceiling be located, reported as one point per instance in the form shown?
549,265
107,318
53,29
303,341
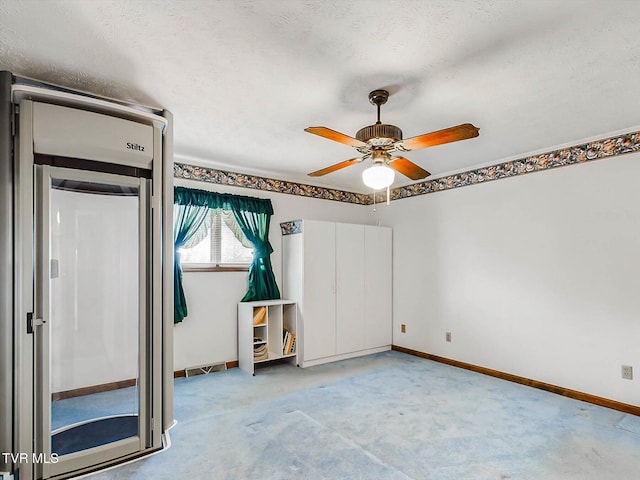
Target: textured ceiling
244,78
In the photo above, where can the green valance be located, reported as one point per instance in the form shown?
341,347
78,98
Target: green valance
225,201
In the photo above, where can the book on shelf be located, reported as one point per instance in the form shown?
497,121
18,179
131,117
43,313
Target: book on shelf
259,315
285,340
287,345
290,345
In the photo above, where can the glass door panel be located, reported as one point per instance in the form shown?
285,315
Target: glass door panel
92,339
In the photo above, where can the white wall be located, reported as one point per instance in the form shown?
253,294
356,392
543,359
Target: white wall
536,275
209,333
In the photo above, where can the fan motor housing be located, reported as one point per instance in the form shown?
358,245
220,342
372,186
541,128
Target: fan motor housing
379,134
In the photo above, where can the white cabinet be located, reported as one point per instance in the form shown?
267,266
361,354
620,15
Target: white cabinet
377,286
319,290
350,312
267,331
340,275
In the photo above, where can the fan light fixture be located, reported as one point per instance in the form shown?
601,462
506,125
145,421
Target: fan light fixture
378,141
378,176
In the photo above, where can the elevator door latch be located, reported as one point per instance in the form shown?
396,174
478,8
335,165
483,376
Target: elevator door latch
33,322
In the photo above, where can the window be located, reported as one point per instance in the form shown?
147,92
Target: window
221,246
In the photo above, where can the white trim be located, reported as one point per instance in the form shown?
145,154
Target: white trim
344,356
20,92
166,444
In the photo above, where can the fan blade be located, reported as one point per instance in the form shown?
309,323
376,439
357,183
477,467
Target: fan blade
335,136
453,134
333,168
408,168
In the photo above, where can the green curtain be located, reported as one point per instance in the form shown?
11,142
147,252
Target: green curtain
253,216
188,221
261,281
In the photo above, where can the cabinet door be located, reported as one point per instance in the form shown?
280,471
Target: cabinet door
319,308
350,321
378,288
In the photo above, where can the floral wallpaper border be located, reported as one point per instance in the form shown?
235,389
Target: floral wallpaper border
222,177
609,147
291,227
599,149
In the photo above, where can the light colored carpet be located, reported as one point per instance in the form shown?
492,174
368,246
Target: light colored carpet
386,416
630,423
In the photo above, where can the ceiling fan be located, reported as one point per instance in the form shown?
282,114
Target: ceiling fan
378,141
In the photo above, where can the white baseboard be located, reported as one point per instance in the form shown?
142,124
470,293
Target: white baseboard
344,356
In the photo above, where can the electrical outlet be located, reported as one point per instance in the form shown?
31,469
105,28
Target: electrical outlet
447,336
403,328
627,372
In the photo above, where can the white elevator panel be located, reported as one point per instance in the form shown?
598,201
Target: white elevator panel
69,132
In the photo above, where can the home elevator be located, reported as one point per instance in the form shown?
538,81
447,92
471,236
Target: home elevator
86,374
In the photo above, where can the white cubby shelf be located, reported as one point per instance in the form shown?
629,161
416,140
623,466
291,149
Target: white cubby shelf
267,331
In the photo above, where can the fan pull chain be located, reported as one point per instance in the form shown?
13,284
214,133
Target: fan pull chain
387,194
374,200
